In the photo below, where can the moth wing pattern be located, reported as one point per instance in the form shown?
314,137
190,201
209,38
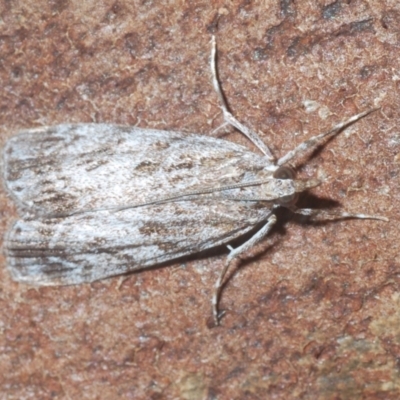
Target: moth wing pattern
74,168
91,246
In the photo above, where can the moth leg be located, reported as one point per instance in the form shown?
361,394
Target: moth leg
234,253
229,118
219,128
314,141
324,215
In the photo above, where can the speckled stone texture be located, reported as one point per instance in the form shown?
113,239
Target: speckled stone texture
314,311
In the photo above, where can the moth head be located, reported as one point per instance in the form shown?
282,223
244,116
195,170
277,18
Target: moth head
287,172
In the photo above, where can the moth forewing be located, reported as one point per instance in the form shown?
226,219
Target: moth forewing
91,246
82,167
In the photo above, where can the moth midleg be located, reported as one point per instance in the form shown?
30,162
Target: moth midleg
324,215
234,253
315,141
229,118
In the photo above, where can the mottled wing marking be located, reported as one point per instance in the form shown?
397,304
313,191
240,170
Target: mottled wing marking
92,246
70,168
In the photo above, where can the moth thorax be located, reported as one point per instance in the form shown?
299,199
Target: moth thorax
286,172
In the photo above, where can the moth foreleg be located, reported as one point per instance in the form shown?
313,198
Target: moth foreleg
229,118
234,253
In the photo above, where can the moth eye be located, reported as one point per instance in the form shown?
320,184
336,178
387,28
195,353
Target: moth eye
289,200
285,173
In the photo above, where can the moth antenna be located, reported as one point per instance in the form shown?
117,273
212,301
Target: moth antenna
315,140
324,215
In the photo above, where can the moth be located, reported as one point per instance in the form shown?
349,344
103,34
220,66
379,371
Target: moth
99,200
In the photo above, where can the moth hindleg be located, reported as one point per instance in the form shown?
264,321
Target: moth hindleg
234,253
